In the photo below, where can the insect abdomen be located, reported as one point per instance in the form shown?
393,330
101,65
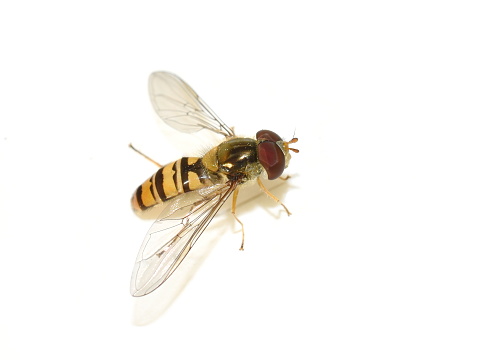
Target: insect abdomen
178,177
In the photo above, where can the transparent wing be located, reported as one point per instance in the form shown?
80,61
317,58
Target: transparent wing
179,105
172,236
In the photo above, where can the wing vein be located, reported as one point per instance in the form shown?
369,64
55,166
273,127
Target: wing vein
165,245
170,95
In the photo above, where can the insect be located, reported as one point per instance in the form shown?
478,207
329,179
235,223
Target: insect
191,190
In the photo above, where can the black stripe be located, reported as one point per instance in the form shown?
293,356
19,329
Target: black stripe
138,198
151,188
196,167
199,170
159,184
185,168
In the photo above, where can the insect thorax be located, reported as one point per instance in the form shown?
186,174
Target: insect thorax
236,159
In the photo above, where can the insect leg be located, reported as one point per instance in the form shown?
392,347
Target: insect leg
272,196
233,211
146,157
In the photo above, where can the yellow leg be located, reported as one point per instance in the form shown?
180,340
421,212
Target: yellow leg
233,211
272,196
146,157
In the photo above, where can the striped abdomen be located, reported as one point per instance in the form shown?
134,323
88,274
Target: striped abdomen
183,175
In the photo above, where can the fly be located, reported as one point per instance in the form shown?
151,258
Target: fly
191,190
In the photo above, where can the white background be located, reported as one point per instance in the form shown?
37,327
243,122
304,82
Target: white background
380,257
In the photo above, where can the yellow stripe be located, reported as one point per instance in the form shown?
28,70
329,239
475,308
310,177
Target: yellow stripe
147,198
169,186
178,179
192,160
194,181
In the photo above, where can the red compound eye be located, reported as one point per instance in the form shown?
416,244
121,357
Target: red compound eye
267,135
272,158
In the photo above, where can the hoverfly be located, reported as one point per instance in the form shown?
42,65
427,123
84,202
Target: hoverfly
191,190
